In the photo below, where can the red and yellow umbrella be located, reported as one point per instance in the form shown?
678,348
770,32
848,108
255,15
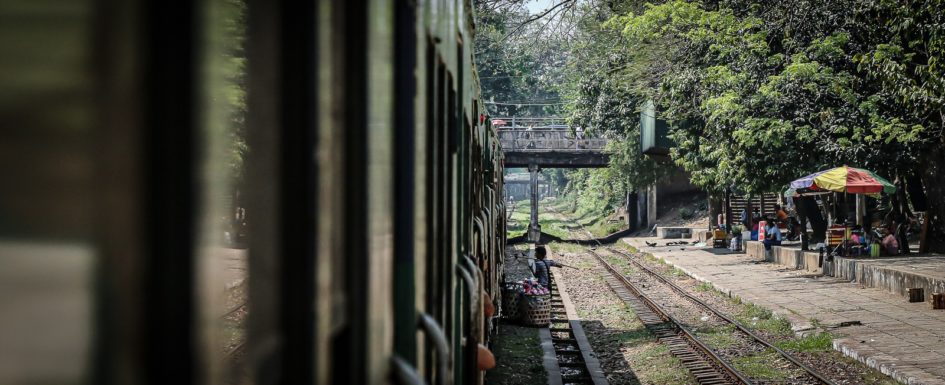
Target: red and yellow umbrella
841,179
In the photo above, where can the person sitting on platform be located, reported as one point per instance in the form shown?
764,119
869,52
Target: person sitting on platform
856,241
780,213
890,244
542,265
772,235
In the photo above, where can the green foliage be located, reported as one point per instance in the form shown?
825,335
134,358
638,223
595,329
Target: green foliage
767,95
814,342
718,337
605,94
774,97
225,109
596,191
761,366
705,287
515,64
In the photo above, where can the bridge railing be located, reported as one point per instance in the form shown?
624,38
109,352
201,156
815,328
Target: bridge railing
545,140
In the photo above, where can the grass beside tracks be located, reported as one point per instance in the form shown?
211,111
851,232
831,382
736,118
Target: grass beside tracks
817,345
518,357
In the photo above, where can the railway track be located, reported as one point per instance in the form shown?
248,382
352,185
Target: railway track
234,309
668,296
567,343
707,367
235,350
655,307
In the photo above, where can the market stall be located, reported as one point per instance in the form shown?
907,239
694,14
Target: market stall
846,181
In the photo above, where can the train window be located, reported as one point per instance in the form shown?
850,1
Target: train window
429,264
48,253
223,221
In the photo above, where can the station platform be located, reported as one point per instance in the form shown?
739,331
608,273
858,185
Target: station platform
874,325
221,270
893,274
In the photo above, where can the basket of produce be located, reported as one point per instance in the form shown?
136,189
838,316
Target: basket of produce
535,305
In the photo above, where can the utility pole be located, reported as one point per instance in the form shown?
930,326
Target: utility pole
534,229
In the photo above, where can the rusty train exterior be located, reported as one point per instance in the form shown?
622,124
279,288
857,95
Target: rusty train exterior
370,187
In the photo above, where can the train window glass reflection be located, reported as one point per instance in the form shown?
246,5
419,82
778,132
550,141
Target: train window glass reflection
223,220
47,253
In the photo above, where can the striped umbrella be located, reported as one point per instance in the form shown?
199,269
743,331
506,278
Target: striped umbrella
841,179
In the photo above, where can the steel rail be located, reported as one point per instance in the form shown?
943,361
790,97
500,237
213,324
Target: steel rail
239,347
560,316
719,314
234,309
690,335
696,344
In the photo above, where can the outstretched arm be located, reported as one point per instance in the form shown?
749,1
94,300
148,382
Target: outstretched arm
559,264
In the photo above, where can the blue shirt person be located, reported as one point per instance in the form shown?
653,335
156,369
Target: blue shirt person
772,236
542,265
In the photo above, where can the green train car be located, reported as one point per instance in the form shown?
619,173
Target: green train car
348,136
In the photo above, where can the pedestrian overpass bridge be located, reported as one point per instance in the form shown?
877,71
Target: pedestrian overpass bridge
545,143
538,143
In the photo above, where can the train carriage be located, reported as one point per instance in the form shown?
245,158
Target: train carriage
371,190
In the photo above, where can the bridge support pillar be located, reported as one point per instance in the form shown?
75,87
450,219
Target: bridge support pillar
534,229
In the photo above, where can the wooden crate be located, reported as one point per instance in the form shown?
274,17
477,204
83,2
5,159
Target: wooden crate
938,301
916,294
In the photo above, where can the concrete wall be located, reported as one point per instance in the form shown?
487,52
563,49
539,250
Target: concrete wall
786,256
881,276
676,183
673,232
703,235
867,272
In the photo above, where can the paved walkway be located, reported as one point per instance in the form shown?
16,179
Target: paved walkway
220,270
901,339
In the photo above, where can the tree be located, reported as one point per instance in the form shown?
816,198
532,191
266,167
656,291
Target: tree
906,57
516,62
779,90
605,88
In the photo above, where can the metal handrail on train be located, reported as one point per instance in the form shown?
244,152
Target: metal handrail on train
443,360
472,338
482,236
404,373
470,282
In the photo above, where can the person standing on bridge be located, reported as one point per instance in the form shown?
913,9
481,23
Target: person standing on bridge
543,265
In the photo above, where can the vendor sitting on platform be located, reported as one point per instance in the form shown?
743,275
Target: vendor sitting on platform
890,244
857,241
780,213
772,235
542,265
